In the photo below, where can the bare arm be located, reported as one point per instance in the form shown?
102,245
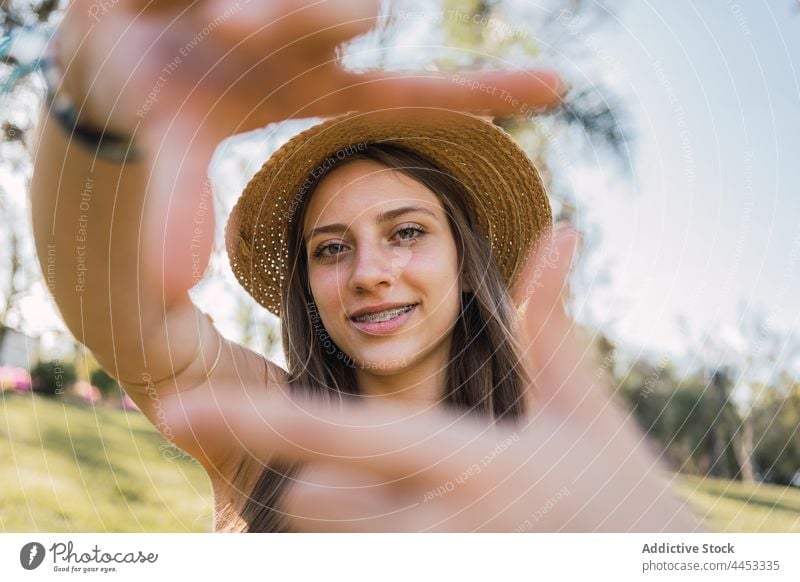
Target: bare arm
121,238
87,220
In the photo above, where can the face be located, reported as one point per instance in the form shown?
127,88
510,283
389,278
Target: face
376,238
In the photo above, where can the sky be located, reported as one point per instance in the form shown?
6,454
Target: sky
706,229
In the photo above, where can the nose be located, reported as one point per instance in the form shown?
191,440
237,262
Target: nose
374,265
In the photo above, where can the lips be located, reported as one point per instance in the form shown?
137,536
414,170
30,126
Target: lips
388,326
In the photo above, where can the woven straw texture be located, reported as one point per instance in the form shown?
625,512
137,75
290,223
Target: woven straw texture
503,186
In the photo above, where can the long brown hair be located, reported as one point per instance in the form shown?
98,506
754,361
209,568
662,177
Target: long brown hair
484,375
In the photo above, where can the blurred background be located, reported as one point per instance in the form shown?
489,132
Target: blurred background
673,155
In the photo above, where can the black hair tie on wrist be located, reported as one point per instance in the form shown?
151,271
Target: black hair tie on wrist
106,145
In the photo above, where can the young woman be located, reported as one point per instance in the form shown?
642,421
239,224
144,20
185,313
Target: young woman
426,219
388,285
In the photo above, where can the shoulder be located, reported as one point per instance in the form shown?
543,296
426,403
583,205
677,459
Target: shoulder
240,375
249,364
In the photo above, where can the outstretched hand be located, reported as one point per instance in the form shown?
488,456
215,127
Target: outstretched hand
577,464
232,66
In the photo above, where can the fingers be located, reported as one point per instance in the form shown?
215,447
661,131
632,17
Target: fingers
432,475
377,438
543,284
328,498
373,468
178,229
431,472
387,440
247,64
570,394
310,25
553,352
559,360
498,92
328,91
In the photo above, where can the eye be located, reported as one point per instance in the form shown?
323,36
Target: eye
412,232
321,251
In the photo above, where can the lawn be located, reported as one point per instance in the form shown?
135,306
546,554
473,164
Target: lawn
731,506
69,467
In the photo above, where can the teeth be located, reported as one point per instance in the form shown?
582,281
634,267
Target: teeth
384,315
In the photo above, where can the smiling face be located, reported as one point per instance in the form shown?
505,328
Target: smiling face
376,238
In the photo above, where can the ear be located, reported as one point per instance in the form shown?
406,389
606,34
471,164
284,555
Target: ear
466,287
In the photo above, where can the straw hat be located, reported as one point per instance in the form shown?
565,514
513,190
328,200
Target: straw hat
502,185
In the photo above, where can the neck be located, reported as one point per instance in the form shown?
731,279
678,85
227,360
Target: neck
419,385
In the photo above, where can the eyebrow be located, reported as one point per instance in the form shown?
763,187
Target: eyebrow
382,217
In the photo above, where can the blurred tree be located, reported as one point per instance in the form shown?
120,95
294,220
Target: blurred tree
52,378
20,96
105,383
16,13
590,125
710,422
691,416
487,35
776,427
724,427
15,281
605,352
760,358
255,329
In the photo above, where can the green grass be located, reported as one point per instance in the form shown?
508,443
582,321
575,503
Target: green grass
73,468
732,506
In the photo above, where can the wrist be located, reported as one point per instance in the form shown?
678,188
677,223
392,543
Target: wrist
70,108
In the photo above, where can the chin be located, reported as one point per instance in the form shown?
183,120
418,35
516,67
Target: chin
382,366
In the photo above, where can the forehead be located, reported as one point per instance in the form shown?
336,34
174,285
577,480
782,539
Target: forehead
361,188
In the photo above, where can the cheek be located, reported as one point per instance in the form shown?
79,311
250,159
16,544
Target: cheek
435,267
326,290
432,275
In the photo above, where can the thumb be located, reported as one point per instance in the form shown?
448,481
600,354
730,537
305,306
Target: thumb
555,354
178,230
544,282
558,356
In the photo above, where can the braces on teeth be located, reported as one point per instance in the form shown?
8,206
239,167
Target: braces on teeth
384,315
